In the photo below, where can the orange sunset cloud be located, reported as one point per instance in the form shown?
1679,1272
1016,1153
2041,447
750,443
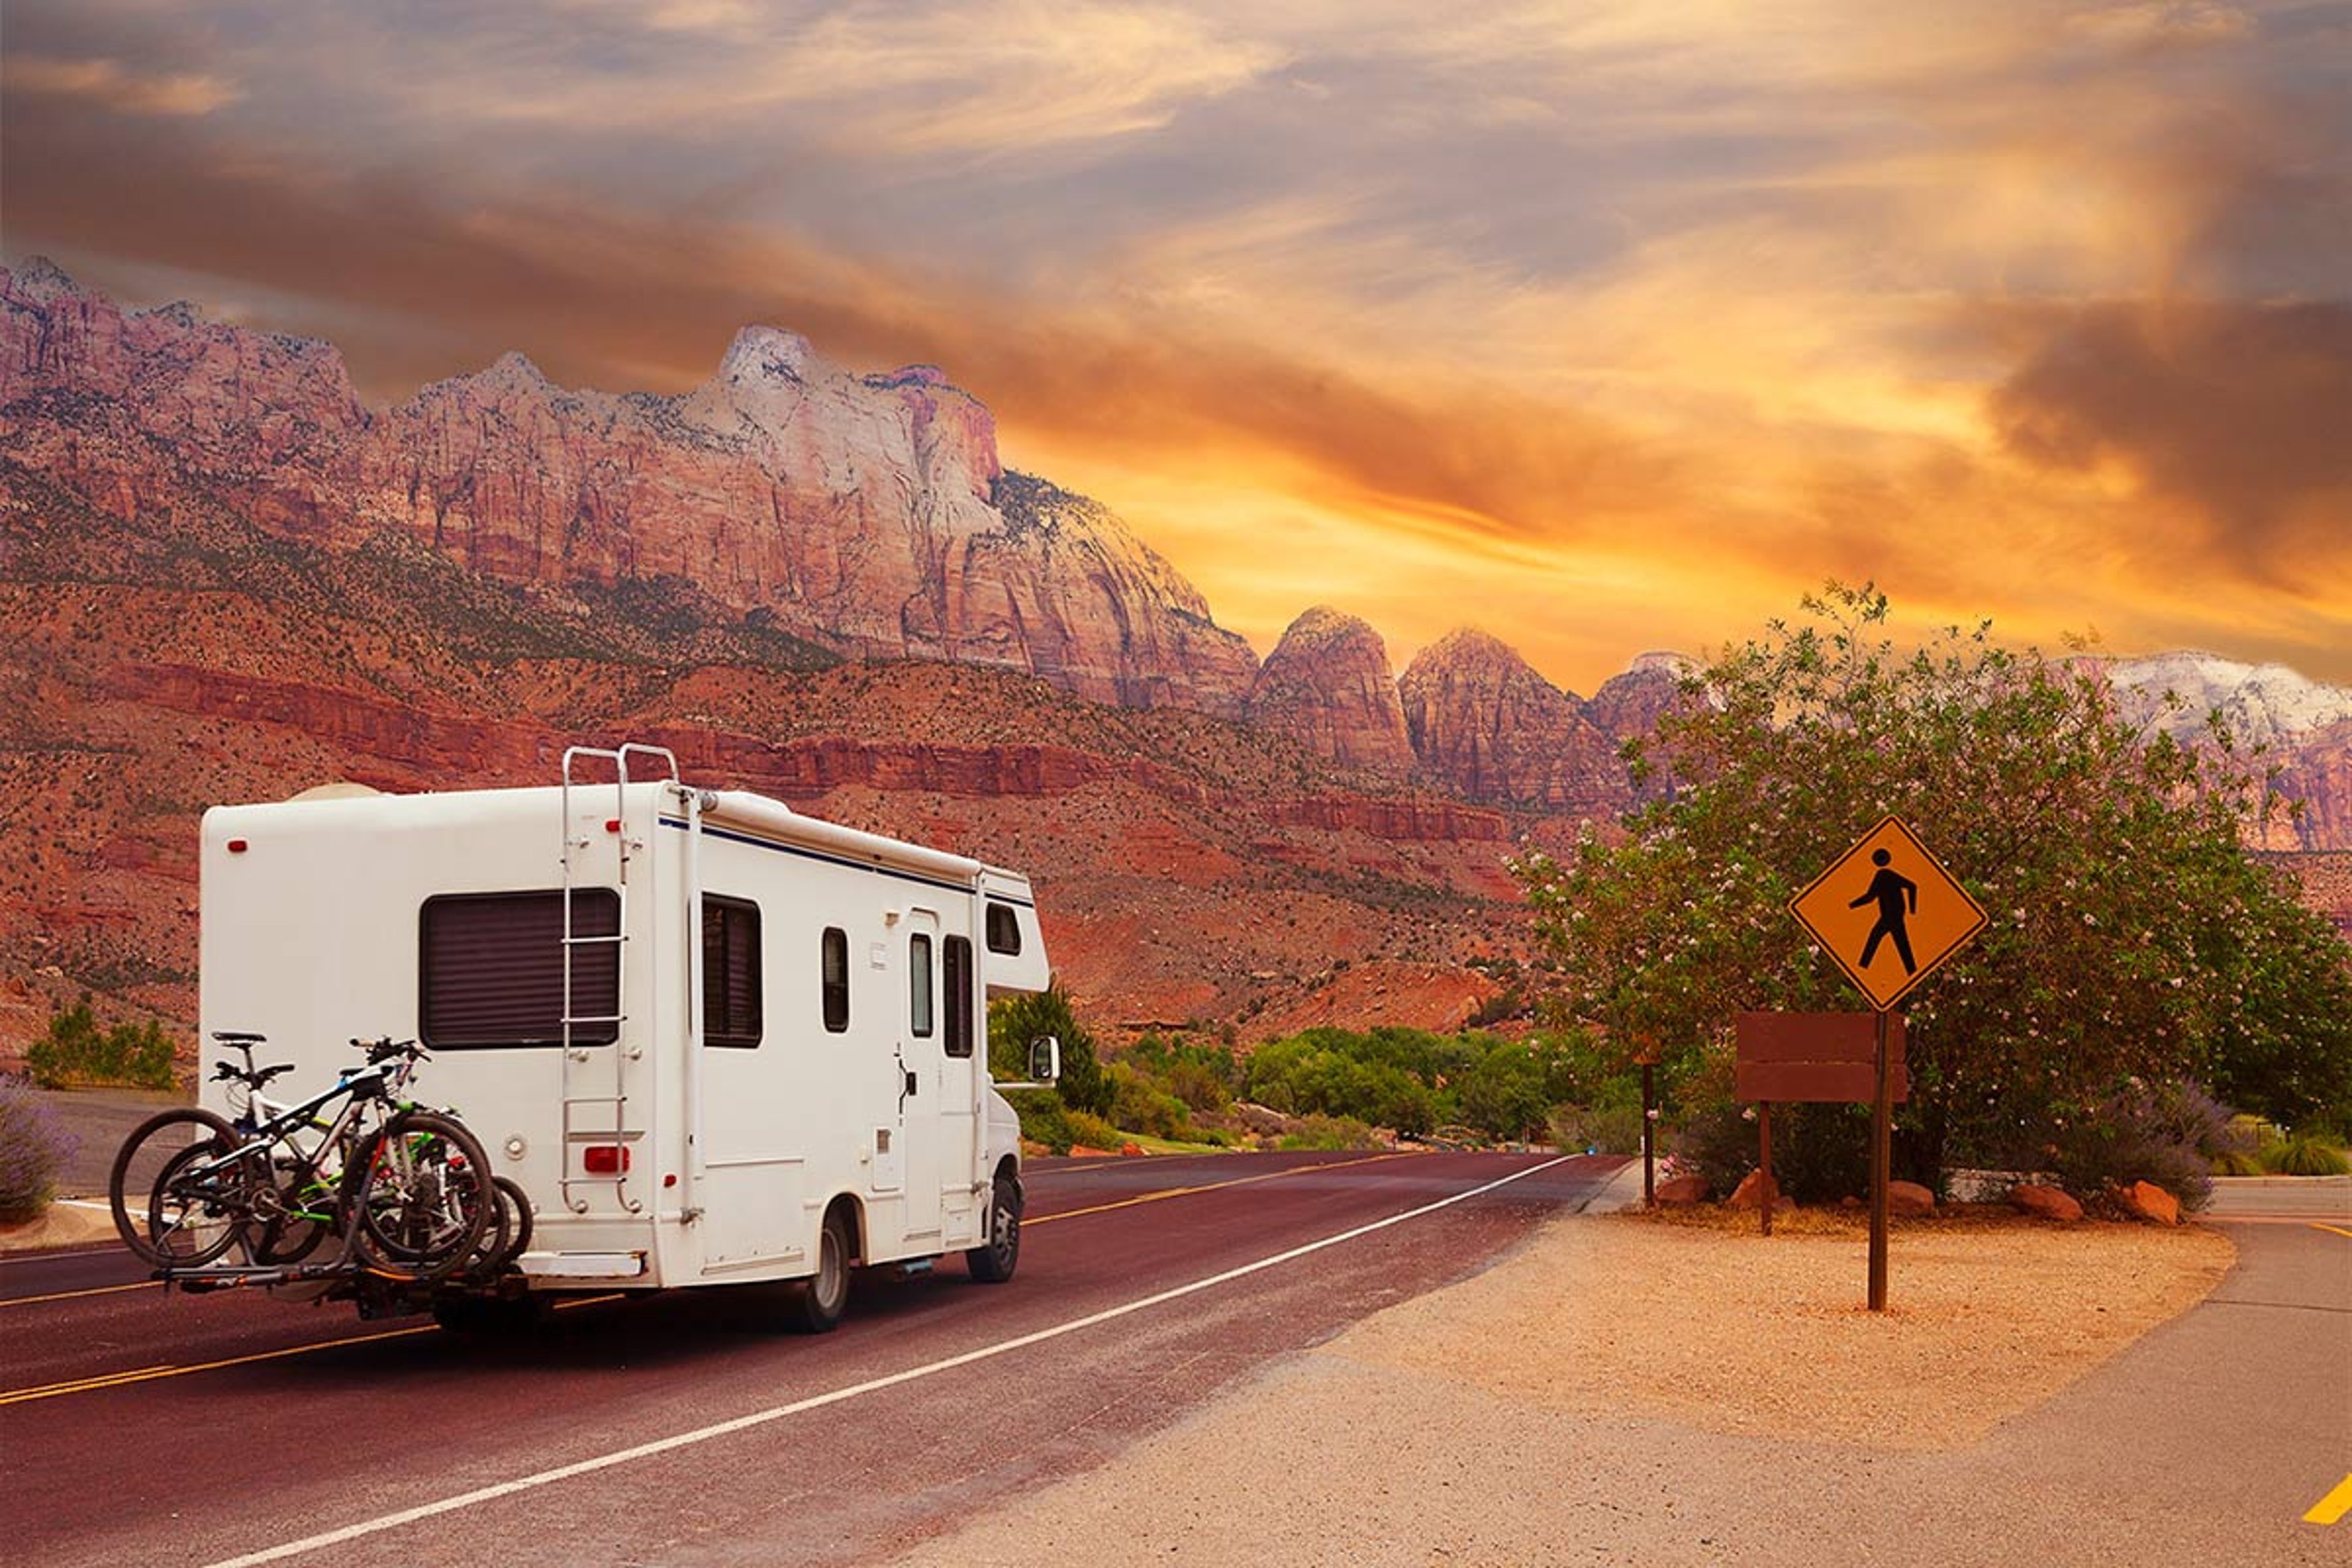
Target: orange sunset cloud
1606,328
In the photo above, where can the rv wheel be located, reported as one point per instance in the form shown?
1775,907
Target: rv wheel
993,1263
816,1304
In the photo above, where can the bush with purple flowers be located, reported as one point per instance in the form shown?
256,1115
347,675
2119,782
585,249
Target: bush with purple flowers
34,1148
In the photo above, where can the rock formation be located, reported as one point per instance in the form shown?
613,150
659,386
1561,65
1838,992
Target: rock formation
868,514
1328,686
1483,720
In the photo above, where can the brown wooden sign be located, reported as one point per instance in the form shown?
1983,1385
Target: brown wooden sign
1820,1056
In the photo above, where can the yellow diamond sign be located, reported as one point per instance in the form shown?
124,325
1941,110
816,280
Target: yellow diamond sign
1888,912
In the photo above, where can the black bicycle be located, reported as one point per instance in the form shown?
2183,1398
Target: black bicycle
406,1186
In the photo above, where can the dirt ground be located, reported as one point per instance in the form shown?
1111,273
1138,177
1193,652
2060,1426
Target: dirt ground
1442,1429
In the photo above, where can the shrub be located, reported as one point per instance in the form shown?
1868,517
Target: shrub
2306,1157
33,1150
2238,1162
1092,1131
2167,1133
1821,1153
1141,1105
1597,1129
76,1050
1331,1133
1042,1117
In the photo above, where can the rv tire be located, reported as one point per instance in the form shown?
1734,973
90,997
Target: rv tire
992,1262
815,1305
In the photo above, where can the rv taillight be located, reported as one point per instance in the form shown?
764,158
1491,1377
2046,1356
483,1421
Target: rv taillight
236,845
612,824
605,1159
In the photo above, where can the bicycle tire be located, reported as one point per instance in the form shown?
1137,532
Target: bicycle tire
291,1234
417,1196
147,1149
517,1240
200,1208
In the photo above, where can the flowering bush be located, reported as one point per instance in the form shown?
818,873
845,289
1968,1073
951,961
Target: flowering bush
2167,1133
33,1150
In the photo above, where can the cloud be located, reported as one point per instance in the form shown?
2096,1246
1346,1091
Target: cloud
117,87
2239,410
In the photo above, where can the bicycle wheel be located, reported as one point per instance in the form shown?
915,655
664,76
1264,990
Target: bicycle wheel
202,1205
302,1215
516,1212
418,1195
141,1158
505,1238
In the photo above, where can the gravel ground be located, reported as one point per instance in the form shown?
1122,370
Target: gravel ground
1625,1388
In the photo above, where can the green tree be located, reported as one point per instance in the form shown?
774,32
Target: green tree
74,1049
1015,1021
2131,936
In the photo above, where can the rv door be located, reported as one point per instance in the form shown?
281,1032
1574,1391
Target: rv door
920,1127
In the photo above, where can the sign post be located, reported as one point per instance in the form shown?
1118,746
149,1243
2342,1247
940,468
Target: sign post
1890,915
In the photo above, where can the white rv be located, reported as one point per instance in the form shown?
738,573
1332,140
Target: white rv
714,1040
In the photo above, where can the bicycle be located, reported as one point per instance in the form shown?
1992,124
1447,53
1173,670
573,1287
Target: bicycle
411,1190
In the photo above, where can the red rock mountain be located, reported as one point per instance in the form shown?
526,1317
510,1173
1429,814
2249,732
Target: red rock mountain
865,514
1483,720
1328,686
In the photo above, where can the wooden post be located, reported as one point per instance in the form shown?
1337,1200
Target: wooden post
1649,1136
1882,1119
1764,1189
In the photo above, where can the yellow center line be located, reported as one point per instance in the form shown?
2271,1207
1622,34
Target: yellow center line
2331,1507
154,1374
73,1295
2331,1229
1211,1187
76,1385
25,1395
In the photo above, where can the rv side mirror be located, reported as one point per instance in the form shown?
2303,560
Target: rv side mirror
1045,1059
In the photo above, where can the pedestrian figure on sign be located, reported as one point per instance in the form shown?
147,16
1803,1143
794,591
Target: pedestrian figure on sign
1898,896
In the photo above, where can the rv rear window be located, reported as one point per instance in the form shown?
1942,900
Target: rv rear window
956,961
1004,930
731,971
835,967
490,968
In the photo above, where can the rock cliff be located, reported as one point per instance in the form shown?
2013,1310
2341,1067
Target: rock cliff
1328,686
1482,719
868,514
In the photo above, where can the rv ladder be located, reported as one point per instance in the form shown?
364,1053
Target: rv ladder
596,1106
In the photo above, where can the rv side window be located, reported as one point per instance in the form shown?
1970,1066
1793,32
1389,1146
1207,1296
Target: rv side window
956,958
731,971
490,968
836,979
1004,930
919,984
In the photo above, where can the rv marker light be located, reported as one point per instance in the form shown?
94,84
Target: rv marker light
236,845
605,1159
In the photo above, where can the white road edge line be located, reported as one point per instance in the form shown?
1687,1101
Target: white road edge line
763,1418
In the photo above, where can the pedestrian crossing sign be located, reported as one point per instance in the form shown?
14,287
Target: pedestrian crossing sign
1888,912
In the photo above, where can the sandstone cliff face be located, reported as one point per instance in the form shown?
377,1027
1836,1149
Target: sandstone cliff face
1328,686
867,513
1484,721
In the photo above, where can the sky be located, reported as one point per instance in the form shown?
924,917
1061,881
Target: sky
1604,326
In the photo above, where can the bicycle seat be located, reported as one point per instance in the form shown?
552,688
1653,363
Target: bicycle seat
237,1038
229,1072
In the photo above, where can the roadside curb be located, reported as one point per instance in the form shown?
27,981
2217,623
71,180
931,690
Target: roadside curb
1623,1192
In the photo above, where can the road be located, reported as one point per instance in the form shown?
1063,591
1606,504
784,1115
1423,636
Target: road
137,1426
